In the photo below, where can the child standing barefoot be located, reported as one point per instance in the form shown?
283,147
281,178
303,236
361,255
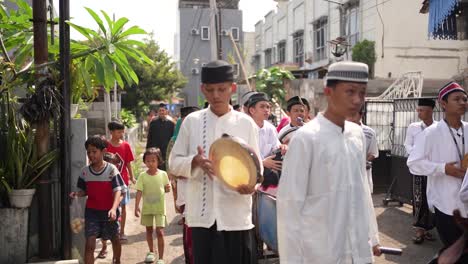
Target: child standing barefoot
152,185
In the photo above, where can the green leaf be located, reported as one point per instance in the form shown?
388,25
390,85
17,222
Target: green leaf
119,80
82,30
134,30
109,21
119,24
108,72
97,19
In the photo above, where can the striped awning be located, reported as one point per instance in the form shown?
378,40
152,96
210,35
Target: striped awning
442,19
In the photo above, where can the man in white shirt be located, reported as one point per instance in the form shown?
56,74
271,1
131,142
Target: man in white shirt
423,219
220,218
297,109
325,210
438,156
372,149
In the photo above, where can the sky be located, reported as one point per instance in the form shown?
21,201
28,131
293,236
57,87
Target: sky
158,16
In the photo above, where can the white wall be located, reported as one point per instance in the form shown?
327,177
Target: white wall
400,33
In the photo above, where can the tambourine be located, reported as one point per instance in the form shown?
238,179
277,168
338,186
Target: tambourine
234,162
115,159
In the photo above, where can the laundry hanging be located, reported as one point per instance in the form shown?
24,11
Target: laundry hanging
442,19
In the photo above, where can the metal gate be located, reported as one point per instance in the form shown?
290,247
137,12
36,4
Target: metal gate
390,119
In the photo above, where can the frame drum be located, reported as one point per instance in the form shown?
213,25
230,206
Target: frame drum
234,162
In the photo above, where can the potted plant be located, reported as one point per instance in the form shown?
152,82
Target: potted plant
20,169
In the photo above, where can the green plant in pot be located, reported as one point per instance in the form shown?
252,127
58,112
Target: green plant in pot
21,166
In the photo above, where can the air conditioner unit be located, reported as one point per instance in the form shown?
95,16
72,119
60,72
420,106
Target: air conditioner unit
195,71
195,32
225,32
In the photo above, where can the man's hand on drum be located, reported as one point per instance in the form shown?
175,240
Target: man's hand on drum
272,164
201,161
246,189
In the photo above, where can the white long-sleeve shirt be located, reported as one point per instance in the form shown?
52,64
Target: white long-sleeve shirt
324,207
209,200
371,149
434,149
412,133
268,138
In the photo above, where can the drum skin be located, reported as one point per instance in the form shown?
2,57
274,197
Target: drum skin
234,162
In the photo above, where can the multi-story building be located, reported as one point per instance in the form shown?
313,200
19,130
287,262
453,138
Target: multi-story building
298,32
193,45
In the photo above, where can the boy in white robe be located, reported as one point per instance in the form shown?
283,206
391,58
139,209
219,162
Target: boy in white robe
325,210
220,218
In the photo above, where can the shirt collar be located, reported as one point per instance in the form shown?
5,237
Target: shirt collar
214,116
324,121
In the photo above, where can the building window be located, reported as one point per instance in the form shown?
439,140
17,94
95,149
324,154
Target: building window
282,52
205,33
352,25
267,58
320,36
256,62
235,33
298,44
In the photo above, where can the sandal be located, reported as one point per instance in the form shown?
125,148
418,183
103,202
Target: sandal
102,254
418,239
123,237
150,258
428,236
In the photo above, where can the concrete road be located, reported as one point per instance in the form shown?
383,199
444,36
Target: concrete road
394,226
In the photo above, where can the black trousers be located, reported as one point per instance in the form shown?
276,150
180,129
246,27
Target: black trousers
422,217
227,247
448,231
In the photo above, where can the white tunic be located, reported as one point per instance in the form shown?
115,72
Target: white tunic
325,210
434,149
412,133
371,149
209,200
268,138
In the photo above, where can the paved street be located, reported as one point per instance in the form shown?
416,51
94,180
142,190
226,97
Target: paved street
394,225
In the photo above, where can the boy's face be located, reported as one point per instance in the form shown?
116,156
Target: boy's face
151,161
218,95
346,98
261,111
117,134
95,155
455,104
296,112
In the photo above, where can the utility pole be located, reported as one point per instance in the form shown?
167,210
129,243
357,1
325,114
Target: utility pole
218,33
42,130
213,30
65,139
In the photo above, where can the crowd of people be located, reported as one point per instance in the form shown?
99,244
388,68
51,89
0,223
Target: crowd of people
318,168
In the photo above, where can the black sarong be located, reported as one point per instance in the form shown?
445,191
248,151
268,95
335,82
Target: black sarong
228,247
422,217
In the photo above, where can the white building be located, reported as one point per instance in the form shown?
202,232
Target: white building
297,34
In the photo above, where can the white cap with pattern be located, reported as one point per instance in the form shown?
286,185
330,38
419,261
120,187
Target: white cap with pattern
348,71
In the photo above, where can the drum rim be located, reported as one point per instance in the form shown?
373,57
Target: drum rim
253,161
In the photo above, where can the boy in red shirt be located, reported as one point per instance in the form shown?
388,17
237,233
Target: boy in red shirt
118,146
102,184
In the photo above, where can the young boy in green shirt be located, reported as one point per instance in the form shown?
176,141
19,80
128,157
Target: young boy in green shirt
152,185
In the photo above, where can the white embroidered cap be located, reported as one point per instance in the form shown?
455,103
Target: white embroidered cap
348,71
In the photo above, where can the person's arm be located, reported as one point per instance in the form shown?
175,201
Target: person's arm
118,188
167,183
373,148
130,158
419,164
291,196
137,203
409,140
81,185
180,160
